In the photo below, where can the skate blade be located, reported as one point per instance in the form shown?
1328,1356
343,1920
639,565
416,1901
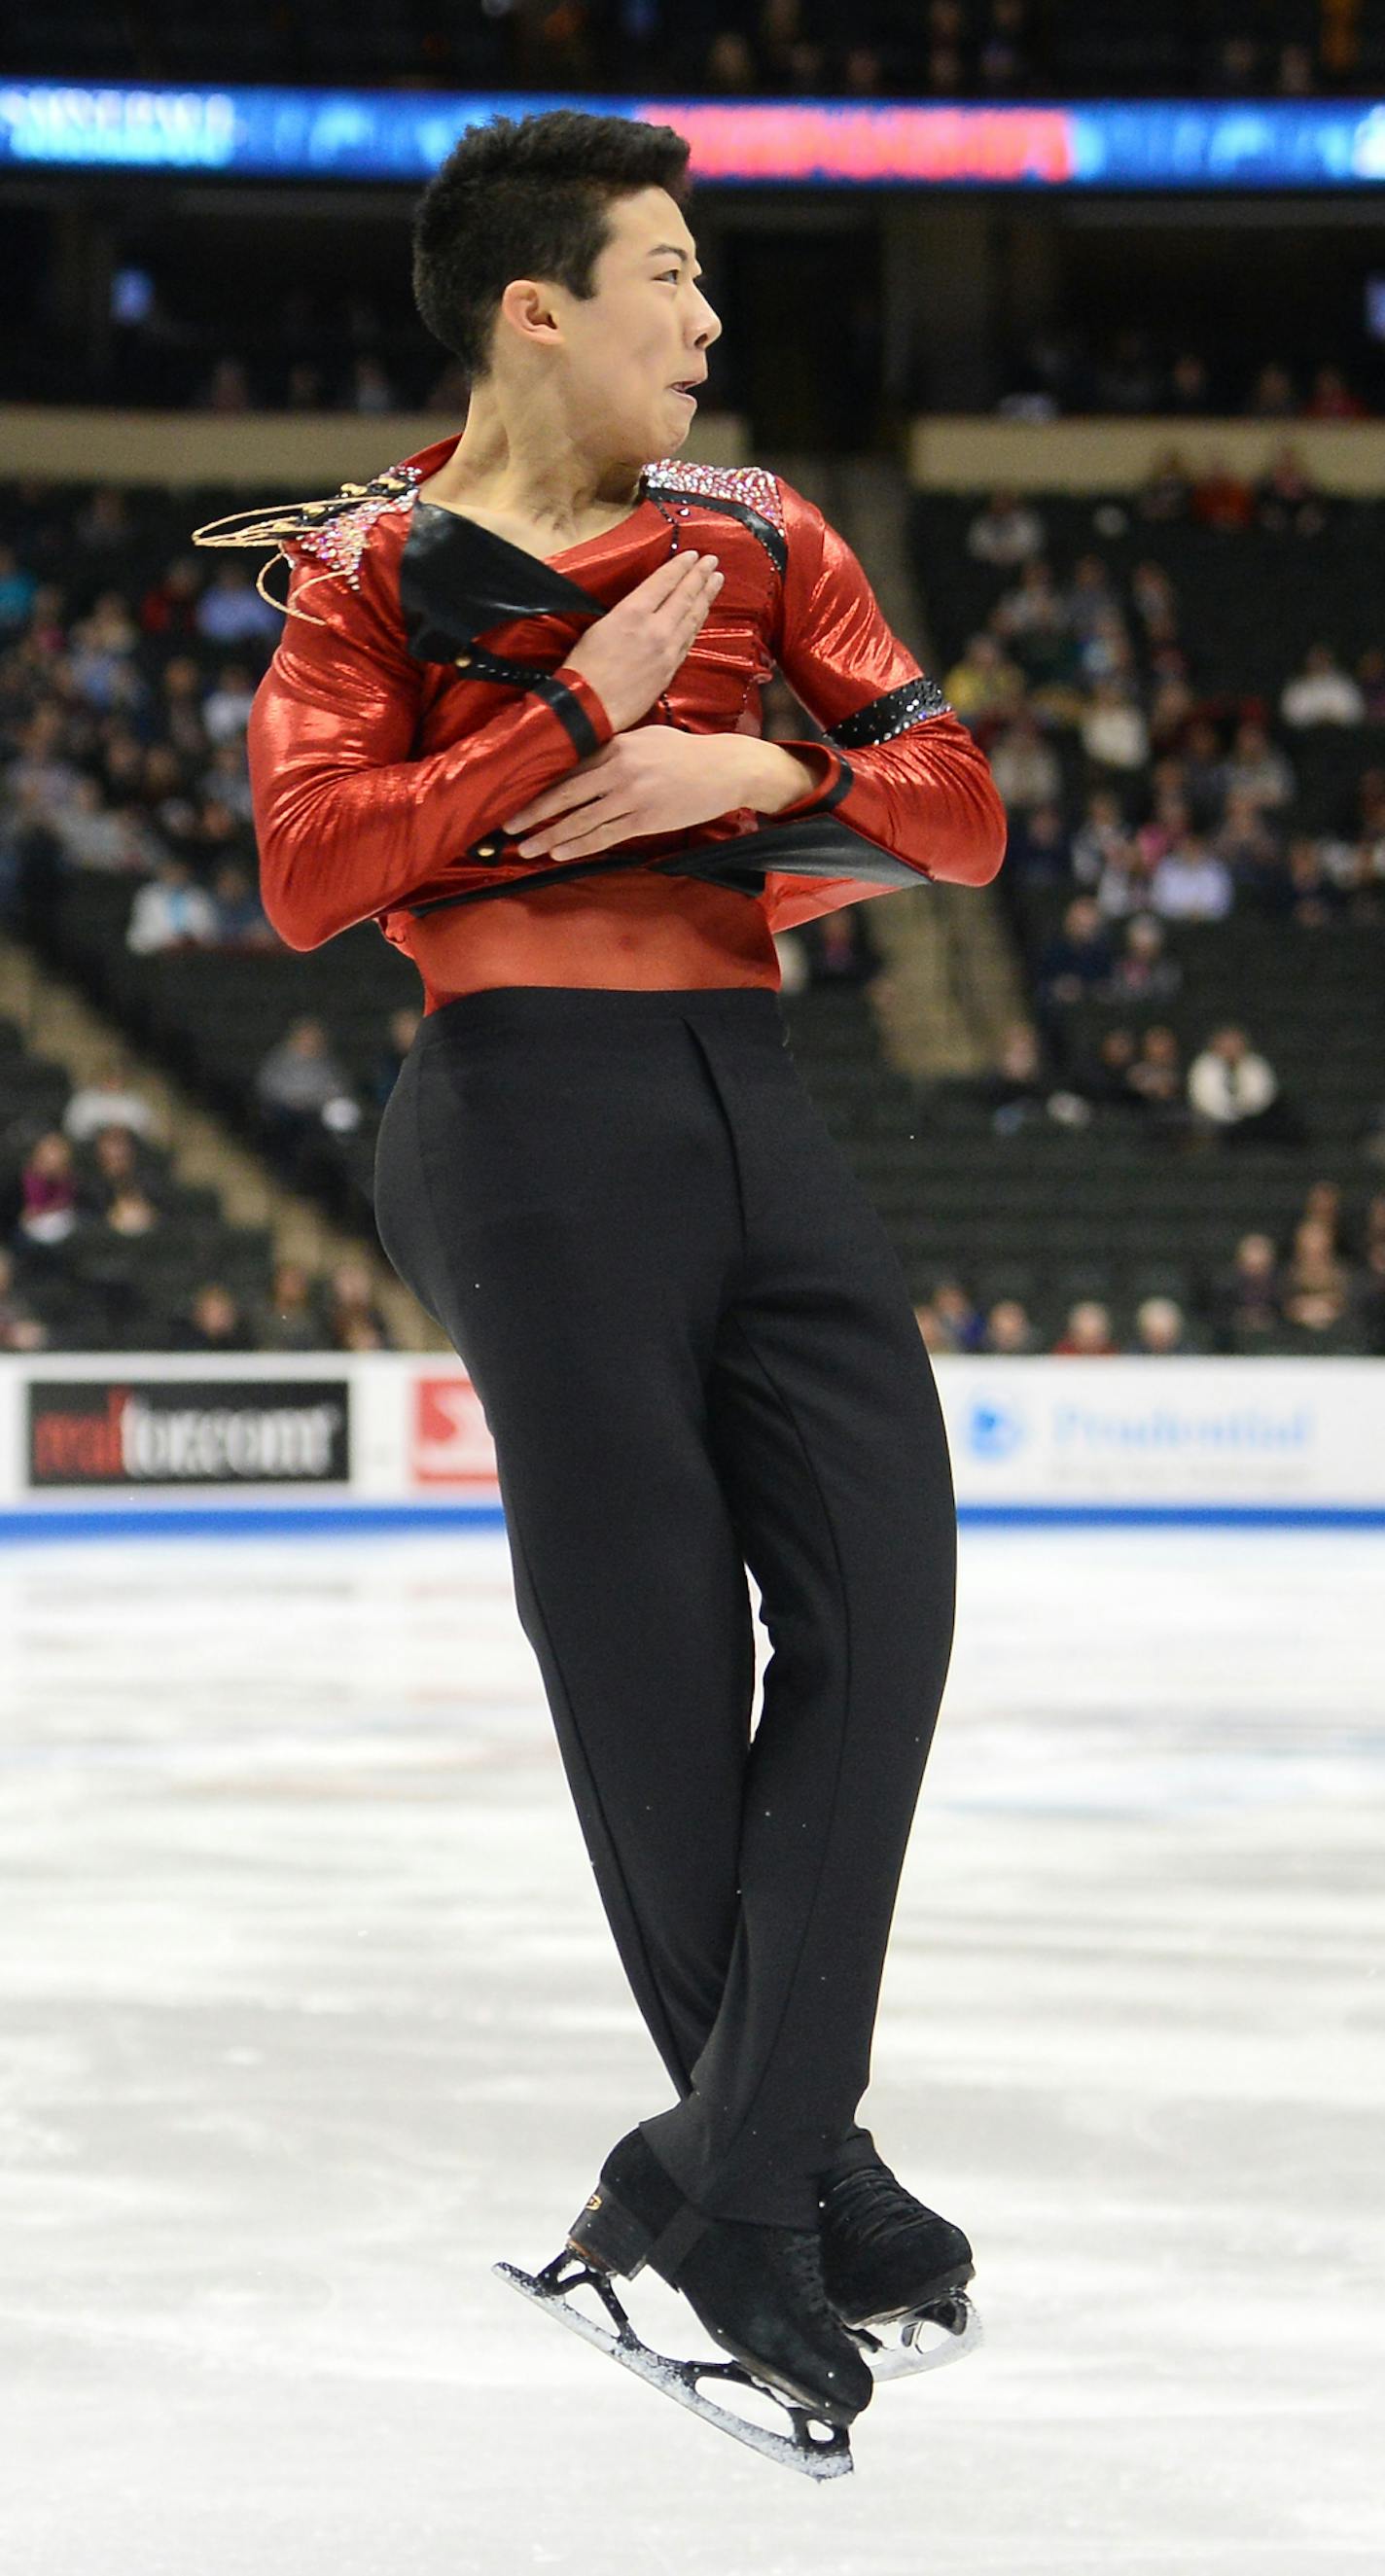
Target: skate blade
928,2339
814,2450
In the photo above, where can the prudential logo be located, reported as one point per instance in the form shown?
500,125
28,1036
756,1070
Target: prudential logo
994,1431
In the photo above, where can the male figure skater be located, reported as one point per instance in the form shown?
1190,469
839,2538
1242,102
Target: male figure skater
513,717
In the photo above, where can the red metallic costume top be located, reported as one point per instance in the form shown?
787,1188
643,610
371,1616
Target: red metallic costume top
418,695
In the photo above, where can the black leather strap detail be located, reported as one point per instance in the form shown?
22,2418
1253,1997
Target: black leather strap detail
569,710
458,579
882,718
809,845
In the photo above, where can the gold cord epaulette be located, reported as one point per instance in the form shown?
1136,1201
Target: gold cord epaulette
335,528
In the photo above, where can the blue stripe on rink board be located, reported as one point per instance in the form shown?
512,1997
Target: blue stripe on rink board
255,1520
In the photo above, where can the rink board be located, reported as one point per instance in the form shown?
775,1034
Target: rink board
91,1443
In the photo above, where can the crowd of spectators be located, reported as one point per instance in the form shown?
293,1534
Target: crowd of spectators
1187,807
915,48
1067,370
1321,1289
100,1178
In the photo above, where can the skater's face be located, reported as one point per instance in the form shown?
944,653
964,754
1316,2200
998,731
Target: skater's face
623,354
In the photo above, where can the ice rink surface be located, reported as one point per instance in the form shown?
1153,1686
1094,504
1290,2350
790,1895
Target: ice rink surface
310,2013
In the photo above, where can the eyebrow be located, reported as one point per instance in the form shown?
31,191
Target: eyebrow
668,250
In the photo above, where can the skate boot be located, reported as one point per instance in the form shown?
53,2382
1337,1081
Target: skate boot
883,2254
757,2290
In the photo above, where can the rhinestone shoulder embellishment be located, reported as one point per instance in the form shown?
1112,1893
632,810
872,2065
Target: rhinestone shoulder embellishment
751,485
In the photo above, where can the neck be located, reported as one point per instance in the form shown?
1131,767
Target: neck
532,462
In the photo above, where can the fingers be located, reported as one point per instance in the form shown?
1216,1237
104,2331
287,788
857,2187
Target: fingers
669,576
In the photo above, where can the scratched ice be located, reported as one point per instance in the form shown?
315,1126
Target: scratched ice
309,2013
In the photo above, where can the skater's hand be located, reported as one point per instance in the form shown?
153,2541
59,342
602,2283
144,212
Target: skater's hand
656,780
631,654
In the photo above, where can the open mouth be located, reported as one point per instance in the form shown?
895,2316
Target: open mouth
688,388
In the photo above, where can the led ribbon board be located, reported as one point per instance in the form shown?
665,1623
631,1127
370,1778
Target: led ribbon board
1150,146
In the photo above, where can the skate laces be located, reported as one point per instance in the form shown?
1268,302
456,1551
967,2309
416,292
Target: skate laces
800,2258
870,2204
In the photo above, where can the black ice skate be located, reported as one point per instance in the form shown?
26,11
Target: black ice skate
757,2290
889,2261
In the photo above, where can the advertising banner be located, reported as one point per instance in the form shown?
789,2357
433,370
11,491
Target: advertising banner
385,1439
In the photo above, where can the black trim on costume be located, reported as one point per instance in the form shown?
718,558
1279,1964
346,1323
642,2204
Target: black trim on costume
812,845
569,710
884,717
775,545
458,579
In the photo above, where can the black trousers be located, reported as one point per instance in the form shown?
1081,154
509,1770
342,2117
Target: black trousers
696,1353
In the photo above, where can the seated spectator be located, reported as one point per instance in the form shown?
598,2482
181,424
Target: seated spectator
1102,833
1317,1284
1025,768
20,1328
1331,398
1104,1079
1221,499
213,1323
1080,959
301,1086
171,911
842,950
1170,712
1091,599
1009,1332
1322,693
1155,598
130,1210
1016,1090
404,1024
232,611
1189,387
1037,848
959,1318
1144,970
1314,901
226,708
1323,1203
108,840
240,915
1087,1334
48,1191
1167,494
1008,531
1161,1329
1114,729
1034,600
1272,395
288,1319
1250,849
986,686
351,1311
168,609
1156,1079
116,1164
1191,883
1234,1092
1246,1299
110,1099
1256,768
1285,498
1204,772
1169,824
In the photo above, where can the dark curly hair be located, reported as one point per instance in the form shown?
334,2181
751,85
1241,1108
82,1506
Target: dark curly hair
527,197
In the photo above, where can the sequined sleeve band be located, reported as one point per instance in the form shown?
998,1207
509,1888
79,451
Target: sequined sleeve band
882,718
